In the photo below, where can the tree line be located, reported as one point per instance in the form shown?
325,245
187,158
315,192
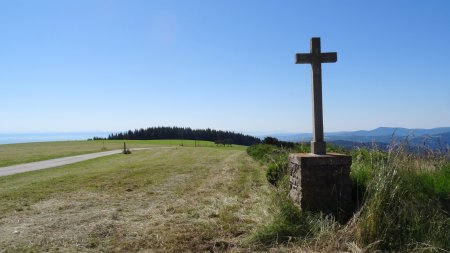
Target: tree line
165,133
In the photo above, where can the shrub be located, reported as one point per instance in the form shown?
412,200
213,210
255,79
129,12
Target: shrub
261,152
278,143
276,158
273,173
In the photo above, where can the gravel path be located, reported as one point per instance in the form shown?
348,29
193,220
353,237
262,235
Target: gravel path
14,169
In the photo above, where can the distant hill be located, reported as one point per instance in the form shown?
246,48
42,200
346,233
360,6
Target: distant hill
397,131
435,138
166,133
352,145
439,141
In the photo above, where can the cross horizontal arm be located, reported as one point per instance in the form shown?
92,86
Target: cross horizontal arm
303,58
310,58
328,57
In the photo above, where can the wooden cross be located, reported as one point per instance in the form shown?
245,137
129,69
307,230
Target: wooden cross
316,58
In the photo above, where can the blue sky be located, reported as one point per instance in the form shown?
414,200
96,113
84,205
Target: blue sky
71,66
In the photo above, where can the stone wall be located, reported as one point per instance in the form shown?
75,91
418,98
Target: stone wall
321,183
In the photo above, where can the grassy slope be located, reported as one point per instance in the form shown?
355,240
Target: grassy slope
167,200
11,154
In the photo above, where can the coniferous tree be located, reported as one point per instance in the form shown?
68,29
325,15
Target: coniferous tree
164,133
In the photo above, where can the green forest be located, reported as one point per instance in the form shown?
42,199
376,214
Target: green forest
167,133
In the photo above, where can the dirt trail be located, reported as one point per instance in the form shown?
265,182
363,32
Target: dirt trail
51,163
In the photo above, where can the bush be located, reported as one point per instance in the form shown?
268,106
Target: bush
273,173
276,158
275,142
261,152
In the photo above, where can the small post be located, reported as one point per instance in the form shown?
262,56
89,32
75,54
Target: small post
182,137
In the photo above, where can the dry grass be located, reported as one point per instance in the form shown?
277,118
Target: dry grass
177,200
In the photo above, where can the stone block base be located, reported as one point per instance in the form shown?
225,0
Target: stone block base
321,183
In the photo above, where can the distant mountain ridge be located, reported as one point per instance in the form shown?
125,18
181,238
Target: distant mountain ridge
435,138
397,131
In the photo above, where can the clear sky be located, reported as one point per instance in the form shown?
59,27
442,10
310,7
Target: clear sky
117,65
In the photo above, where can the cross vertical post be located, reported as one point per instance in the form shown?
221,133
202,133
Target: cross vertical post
316,58
320,181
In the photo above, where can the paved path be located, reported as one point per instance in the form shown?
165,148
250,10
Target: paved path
14,169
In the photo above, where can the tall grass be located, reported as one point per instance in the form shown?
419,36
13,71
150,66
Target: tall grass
402,203
289,224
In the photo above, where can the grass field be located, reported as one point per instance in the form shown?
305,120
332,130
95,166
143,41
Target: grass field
11,154
166,200
209,199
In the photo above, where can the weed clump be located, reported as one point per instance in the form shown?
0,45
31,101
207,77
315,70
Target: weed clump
273,173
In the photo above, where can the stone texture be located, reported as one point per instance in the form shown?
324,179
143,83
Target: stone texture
321,183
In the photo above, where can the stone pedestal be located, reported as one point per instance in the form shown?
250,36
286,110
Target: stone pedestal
321,183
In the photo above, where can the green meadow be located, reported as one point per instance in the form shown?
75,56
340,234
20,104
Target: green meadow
11,154
167,200
174,198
